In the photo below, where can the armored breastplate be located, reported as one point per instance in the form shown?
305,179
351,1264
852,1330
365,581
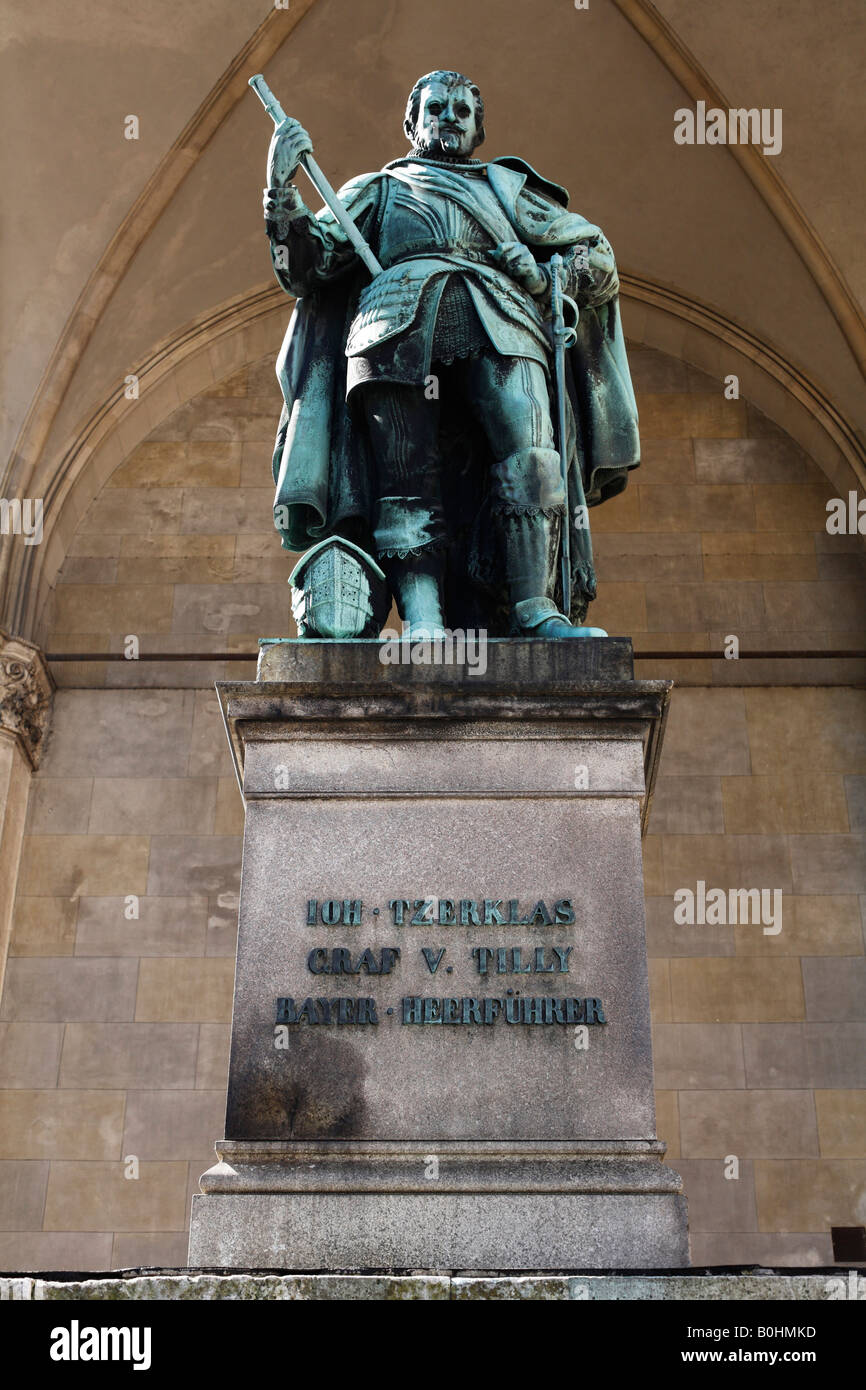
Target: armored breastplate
422,216
437,227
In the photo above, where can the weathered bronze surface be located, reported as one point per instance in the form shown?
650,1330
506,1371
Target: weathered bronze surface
430,405
338,592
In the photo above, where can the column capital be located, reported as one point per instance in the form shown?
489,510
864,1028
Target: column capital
26,695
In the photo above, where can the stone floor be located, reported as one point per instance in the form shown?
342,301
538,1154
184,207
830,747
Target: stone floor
694,1286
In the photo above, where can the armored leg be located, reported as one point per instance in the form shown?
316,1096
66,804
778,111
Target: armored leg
512,400
409,524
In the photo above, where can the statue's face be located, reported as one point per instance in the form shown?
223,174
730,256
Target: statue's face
446,121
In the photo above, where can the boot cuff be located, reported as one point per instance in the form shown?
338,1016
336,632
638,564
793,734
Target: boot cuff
531,612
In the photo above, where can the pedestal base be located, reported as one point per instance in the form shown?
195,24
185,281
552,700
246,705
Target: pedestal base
465,1206
441,1050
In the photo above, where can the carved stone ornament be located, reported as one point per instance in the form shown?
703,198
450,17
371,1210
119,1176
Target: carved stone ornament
26,694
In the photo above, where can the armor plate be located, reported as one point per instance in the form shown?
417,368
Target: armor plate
338,591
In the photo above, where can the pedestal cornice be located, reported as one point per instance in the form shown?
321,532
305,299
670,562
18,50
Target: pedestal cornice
344,691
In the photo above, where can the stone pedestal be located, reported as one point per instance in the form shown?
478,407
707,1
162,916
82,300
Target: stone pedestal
441,1036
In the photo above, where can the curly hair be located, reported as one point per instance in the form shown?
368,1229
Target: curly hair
450,79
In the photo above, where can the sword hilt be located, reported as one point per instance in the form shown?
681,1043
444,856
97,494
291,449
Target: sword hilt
569,330
563,333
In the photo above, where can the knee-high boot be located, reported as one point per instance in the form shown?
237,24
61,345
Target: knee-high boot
530,542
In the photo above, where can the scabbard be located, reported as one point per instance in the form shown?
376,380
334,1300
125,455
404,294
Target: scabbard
559,336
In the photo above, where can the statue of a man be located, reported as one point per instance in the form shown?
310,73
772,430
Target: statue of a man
419,412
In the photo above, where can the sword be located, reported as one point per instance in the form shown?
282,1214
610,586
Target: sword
563,337
317,178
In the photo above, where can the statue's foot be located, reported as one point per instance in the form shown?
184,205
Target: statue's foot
540,617
560,627
416,583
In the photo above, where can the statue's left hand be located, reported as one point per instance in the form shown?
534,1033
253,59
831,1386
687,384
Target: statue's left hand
518,261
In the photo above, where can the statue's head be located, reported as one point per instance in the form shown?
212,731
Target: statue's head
445,116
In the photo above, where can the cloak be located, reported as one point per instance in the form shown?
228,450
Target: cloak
323,473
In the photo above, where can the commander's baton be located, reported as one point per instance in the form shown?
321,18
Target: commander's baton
317,178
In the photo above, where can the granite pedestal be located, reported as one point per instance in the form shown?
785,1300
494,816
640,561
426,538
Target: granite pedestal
441,1035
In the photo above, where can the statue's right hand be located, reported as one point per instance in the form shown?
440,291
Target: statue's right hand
288,143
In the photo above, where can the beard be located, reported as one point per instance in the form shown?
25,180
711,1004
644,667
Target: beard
445,146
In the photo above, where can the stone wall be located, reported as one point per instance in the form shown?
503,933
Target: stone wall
759,1037
114,1032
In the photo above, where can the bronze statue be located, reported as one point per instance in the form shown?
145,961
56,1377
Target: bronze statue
421,406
